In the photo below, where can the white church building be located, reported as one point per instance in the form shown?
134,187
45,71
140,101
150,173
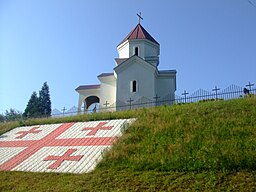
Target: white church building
135,79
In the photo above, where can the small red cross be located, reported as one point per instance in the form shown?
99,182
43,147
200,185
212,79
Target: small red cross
24,133
94,130
65,157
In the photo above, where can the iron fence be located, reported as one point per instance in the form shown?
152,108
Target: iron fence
231,92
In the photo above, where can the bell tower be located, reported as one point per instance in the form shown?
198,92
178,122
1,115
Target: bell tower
140,43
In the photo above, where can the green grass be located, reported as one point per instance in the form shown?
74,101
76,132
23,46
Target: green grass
4,127
208,146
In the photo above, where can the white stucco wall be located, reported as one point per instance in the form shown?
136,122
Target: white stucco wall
107,93
146,48
132,45
145,78
165,86
123,50
151,50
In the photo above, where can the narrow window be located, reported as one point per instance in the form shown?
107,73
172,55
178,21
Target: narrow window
134,86
136,51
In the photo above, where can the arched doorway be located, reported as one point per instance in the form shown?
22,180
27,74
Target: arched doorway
91,104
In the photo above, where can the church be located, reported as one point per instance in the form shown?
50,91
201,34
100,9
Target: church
135,79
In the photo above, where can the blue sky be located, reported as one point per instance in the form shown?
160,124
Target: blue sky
69,42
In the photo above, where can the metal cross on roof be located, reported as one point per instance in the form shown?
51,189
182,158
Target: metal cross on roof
140,17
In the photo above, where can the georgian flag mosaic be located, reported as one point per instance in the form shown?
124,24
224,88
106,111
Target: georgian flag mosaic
67,147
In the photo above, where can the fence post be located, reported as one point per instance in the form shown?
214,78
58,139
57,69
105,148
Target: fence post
156,97
216,92
130,101
106,104
250,86
64,109
185,94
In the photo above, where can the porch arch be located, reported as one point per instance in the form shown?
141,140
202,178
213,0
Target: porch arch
88,101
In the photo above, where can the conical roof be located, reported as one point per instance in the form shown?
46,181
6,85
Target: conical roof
139,33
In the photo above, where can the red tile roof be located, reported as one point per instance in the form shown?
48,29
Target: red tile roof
139,33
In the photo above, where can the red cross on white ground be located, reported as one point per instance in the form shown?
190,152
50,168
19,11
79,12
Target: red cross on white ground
24,133
65,157
100,126
69,147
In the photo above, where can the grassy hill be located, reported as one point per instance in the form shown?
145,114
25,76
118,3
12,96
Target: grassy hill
208,146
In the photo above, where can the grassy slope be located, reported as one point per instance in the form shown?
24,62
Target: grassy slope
201,146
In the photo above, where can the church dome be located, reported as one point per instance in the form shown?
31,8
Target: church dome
139,33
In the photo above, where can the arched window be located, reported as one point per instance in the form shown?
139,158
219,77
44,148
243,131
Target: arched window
136,51
133,86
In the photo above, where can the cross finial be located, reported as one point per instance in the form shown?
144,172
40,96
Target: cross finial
140,17
250,86
64,109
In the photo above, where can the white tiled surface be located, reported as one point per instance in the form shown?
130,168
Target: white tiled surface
34,147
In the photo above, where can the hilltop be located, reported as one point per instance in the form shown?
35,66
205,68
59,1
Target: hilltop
197,146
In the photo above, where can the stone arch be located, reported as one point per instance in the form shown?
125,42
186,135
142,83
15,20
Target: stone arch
88,101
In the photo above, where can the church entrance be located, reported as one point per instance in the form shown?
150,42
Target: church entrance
91,104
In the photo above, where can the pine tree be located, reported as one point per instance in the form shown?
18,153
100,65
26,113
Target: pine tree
32,109
44,100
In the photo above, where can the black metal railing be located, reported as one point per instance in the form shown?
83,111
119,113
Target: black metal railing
200,95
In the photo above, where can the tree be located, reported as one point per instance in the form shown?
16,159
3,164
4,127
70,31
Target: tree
39,106
2,118
12,115
44,100
32,109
